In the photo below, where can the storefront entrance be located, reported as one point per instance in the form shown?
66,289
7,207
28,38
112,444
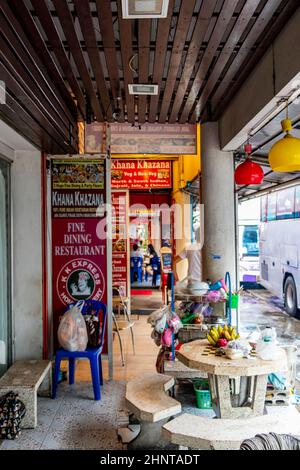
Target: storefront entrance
148,184
5,317
148,233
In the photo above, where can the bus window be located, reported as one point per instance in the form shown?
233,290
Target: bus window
271,211
250,240
263,208
285,204
297,202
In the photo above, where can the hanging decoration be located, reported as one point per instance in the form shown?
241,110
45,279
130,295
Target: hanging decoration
248,172
284,156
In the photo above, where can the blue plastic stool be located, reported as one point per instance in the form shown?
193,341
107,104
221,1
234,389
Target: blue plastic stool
93,354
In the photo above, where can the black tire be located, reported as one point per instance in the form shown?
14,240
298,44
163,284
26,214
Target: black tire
290,297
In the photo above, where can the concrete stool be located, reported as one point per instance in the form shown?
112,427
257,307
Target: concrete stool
24,378
147,399
196,432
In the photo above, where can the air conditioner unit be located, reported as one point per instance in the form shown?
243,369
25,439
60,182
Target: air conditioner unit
144,9
140,89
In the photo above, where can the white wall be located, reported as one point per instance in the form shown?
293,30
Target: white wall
26,243
249,211
27,254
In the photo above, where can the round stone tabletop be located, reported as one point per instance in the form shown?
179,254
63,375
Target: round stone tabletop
199,355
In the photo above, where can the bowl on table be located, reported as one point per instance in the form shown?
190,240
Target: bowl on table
234,353
197,287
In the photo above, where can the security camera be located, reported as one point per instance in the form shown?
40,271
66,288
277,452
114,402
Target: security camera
116,113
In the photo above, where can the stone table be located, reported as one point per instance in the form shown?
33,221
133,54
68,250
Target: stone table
250,378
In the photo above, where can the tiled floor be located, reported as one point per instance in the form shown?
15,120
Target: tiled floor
261,308
146,303
74,420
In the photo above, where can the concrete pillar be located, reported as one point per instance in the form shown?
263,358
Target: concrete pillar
219,250
27,249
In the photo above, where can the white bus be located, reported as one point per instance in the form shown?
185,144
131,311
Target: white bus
280,246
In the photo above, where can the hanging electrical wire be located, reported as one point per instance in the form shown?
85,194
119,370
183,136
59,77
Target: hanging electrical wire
130,64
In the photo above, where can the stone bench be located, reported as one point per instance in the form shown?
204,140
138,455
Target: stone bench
25,378
196,432
147,398
178,370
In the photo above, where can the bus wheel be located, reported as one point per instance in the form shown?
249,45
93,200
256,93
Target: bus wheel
290,297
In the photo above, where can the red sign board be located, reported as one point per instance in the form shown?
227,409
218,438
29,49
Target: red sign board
119,246
141,174
79,261
78,252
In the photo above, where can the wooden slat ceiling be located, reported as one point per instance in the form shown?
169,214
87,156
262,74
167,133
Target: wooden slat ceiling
69,60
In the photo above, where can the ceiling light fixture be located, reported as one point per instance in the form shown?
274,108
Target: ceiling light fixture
248,172
143,89
284,156
144,9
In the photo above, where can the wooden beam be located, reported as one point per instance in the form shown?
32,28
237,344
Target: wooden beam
184,20
144,55
67,24
162,37
18,60
125,27
88,31
24,98
46,21
235,36
193,118
223,21
18,119
36,50
246,58
29,84
17,115
203,21
108,37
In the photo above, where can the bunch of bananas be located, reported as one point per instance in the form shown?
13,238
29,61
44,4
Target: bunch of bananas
226,332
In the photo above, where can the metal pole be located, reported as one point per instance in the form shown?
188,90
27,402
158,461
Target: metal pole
237,257
173,313
271,189
109,257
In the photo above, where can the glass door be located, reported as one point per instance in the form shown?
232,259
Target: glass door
5,317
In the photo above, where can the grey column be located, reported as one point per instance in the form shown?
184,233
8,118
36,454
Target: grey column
219,250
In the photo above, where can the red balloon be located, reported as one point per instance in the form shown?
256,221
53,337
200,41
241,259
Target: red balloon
248,173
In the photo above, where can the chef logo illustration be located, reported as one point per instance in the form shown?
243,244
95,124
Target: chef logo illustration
81,285
80,279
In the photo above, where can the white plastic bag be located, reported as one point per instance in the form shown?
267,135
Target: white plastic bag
161,324
266,347
157,315
72,332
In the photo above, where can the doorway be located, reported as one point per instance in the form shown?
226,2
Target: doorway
5,263
147,235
